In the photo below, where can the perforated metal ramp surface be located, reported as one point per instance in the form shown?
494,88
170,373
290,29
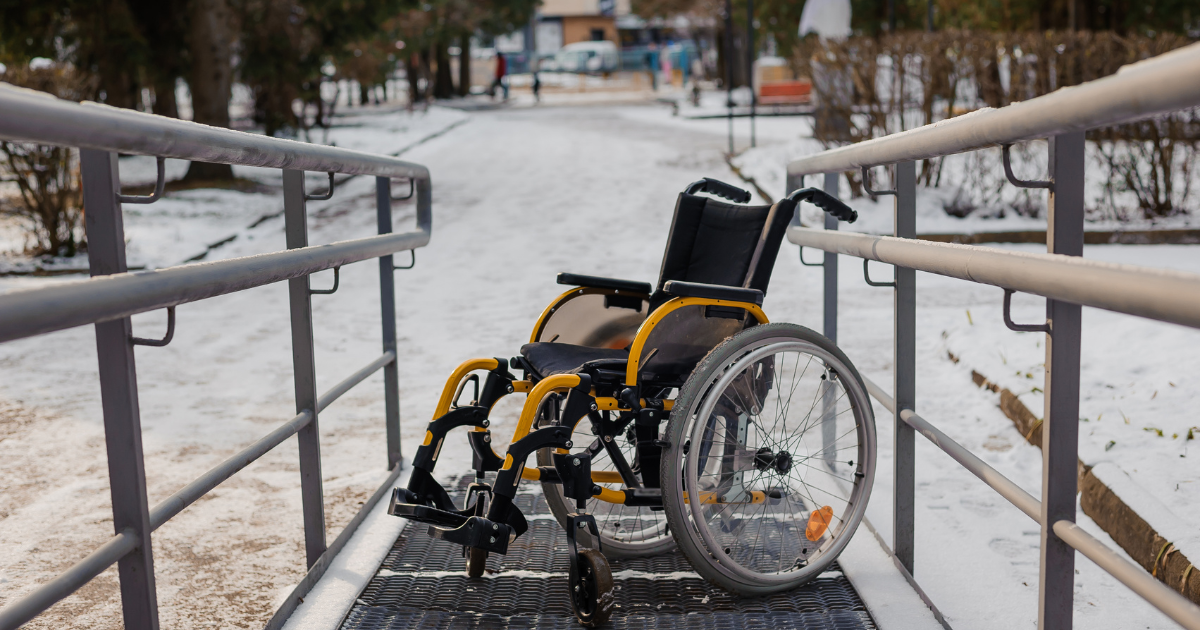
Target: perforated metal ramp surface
423,584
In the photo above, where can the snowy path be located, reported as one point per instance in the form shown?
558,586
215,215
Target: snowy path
518,196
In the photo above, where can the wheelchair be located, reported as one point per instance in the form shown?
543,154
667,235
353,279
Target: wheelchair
748,445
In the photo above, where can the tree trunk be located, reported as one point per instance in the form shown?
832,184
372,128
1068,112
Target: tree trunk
210,42
412,76
464,65
443,83
165,103
426,74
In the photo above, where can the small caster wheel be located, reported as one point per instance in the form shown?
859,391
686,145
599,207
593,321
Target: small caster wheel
591,587
476,561
477,558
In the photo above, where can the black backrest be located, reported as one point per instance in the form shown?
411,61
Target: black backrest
719,243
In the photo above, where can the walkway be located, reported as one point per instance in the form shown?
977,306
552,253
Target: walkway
422,584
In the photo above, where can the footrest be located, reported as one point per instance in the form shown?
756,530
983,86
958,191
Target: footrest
477,532
403,507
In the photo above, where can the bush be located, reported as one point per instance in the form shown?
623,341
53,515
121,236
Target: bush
868,87
46,177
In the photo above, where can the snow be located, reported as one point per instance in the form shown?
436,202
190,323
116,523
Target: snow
327,603
1138,377
520,195
892,602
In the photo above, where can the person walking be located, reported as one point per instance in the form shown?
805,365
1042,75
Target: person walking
501,73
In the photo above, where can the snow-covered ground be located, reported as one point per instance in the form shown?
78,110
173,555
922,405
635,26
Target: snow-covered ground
520,195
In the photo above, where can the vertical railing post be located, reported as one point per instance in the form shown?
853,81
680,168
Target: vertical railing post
118,393
387,305
831,267
1060,427
904,456
829,322
305,372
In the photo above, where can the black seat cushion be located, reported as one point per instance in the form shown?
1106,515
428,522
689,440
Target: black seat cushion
565,358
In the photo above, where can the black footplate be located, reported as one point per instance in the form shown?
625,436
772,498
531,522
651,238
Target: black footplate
456,527
477,532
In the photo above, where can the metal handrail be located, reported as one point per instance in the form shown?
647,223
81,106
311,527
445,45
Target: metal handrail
1164,295
68,581
1155,86
23,313
1171,603
35,116
110,297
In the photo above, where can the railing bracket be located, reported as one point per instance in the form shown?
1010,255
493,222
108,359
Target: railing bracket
808,264
336,281
159,184
867,276
411,264
411,189
158,343
1020,183
866,178
1019,327
323,197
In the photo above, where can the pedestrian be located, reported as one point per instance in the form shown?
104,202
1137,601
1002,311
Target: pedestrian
537,88
501,73
652,66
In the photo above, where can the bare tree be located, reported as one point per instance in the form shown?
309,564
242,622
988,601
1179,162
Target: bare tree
210,79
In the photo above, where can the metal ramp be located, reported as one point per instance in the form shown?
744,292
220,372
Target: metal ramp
422,583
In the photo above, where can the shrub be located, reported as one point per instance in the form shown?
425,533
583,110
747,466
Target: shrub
46,177
868,87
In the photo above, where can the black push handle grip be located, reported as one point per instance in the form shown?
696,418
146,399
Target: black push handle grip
720,189
826,202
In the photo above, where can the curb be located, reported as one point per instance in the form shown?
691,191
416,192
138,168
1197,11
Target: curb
1138,538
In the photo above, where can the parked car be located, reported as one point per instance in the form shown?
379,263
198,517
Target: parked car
591,57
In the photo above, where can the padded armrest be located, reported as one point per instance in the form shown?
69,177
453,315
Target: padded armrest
678,288
603,283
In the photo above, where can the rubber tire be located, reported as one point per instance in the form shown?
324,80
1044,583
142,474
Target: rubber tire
601,598
476,562
689,542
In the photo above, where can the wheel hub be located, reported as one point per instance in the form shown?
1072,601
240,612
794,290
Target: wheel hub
765,458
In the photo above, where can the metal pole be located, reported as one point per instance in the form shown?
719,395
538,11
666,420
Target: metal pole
905,370
831,265
119,395
729,69
387,305
1060,428
750,53
829,400
305,371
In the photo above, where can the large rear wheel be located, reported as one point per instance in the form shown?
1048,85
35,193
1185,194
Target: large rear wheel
772,459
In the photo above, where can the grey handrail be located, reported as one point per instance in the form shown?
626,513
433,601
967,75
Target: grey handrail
1164,295
39,117
1168,601
26,608
24,313
1165,83
108,299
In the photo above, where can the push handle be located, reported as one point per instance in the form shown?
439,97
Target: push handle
826,202
720,189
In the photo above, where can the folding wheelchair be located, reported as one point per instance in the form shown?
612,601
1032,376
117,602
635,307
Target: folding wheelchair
668,416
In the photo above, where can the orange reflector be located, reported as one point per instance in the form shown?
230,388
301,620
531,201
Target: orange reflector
818,523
